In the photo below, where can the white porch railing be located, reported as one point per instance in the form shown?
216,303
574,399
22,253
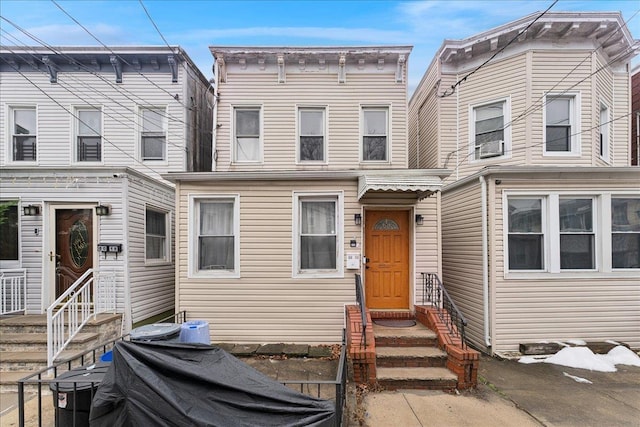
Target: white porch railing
75,307
13,291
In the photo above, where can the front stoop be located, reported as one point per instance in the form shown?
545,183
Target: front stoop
408,358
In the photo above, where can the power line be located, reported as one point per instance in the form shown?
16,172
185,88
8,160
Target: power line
154,24
459,82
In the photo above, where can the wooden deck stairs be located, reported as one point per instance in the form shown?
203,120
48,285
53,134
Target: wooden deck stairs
23,344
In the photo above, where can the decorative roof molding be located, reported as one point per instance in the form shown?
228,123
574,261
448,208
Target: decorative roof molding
400,69
52,68
117,67
281,70
342,72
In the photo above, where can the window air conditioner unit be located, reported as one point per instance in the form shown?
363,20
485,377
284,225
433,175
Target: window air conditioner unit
491,149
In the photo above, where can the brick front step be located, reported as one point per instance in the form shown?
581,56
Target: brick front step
398,357
416,378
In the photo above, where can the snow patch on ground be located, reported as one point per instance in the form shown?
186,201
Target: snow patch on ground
577,379
584,358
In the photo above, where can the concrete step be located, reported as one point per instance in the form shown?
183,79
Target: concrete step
405,357
416,378
414,336
37,323
38,341
9,382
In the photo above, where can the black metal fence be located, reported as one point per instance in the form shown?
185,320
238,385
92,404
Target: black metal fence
363,308
434,294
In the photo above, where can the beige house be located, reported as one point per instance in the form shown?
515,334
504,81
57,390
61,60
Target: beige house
310,185
541,214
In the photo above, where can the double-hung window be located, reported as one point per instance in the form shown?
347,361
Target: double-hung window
526,233
156,234
319,248
489,132
577,236
89,139
9,232
217,247
625,232
153,134
24,134
375,134
247,142
562,134
312,141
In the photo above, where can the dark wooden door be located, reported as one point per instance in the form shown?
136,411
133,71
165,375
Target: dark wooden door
387,253
74,246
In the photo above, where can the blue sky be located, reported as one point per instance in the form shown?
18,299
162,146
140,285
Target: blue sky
196,25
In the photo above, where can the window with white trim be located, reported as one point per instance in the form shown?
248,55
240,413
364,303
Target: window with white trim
24,134
375,134
526,234
488,130
217,247
562,133
153,133
577,236
156,235
88,135
311,130
247,139
9,248
604,132
625,232
318,234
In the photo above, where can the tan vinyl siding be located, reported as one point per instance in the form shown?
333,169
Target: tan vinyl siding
151,284
342,101
621,151
424,122
594,306
462,255
427,243
266,304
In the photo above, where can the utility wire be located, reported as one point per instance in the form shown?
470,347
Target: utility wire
462,80
154,24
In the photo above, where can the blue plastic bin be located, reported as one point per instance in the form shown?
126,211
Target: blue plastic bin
107,357
195,331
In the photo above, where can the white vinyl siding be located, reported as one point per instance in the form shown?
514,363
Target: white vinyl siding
88,140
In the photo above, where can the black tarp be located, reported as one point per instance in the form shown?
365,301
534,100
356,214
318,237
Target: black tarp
166,384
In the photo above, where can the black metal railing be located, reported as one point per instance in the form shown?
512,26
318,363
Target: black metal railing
340,384
434,294
363,308
49,375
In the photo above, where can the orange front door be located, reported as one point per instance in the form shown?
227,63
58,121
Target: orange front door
387,259
74,246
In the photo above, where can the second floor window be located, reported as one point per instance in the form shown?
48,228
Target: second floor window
561,125
375,137
312,140
247,146
89,140
489,130
153,136
24,135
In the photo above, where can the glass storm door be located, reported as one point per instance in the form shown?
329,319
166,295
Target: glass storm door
74,246
387,253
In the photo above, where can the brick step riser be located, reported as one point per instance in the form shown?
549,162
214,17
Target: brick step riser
406,342
427,362
445,385
21,329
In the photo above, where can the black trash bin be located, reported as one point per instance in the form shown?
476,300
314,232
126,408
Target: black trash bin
157,332
73,392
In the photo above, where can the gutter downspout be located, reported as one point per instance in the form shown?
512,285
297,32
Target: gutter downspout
214,135
485,260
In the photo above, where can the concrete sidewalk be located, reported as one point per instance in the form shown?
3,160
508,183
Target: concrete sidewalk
515,394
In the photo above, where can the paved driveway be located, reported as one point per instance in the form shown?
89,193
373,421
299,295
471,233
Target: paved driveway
555,399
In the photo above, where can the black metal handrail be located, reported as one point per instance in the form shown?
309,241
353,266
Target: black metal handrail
41,377
435,294
340,382
363,308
